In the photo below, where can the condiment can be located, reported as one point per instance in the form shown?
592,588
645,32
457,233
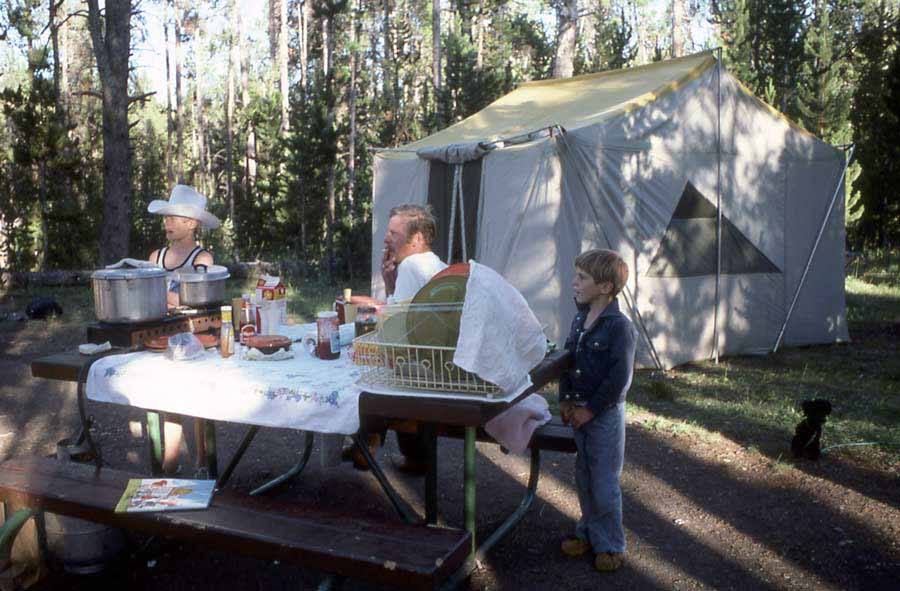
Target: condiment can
328,343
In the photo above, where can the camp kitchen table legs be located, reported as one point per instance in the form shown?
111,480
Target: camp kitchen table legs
468,414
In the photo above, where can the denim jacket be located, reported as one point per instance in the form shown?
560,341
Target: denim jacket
603,361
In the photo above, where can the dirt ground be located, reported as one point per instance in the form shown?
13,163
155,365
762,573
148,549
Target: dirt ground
698,514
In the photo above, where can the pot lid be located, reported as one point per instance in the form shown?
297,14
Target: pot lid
123,273
203,273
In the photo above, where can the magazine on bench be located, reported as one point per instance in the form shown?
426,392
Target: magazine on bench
165,494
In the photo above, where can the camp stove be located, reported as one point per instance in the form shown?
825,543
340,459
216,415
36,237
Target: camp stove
132,335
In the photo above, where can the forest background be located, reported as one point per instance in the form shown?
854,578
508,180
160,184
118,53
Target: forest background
272,108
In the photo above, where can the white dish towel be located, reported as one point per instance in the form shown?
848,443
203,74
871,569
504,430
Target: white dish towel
500,339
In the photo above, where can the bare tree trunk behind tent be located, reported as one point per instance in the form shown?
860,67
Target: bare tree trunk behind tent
170,169
283,67
677,28
250,164
53,26
63,28
479,35
179,104
111,39
229,114
567,19
303,17
436,46
327,57
355,30
199,123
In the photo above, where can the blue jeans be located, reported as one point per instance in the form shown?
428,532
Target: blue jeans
598,466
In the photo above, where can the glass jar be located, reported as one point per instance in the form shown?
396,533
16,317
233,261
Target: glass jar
366,321
328,344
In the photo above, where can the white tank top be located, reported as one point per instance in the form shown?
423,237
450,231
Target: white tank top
188,263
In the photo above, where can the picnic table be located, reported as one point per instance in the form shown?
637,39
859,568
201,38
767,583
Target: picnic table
288,394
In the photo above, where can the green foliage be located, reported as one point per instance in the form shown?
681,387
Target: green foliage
876,125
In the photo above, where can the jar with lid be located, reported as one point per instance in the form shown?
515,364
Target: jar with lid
328,336
366,321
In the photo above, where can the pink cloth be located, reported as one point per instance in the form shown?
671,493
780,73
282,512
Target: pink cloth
514,427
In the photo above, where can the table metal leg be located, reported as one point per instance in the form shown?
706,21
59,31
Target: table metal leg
406,513
504,528
208,437
469,485
155,439
292,472
431,500
233,462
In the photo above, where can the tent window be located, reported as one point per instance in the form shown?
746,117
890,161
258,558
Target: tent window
688,248
440,192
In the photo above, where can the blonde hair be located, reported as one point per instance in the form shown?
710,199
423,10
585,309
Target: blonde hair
418,219
604,266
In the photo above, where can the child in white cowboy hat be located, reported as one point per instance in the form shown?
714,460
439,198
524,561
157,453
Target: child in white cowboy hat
183,213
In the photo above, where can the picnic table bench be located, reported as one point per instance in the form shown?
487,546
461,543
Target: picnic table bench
392,552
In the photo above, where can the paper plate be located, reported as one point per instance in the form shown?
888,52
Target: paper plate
437,328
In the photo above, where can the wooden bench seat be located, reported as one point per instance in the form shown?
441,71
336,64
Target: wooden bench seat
553,436
384,552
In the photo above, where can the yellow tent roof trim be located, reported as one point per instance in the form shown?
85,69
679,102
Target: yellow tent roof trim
571,102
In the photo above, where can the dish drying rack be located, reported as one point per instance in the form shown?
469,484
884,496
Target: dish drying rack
413,348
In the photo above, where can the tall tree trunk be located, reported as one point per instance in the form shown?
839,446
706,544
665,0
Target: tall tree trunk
111,39
303,17
677,28
170,168
274,16
179,103
64,58
229,116
250,165
479,35
53,25
567,20
283,67
327,55
42,201
199,123
436,46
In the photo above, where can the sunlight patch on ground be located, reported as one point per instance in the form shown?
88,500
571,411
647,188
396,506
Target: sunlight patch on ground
694,522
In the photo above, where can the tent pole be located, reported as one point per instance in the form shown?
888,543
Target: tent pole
815,247
718,202
452,229
462,213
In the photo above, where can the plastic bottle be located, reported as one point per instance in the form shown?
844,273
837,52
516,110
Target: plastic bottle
226,336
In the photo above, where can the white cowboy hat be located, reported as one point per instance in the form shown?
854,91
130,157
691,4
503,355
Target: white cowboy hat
184,201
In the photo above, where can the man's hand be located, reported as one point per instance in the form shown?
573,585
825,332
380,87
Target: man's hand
579,416
389,271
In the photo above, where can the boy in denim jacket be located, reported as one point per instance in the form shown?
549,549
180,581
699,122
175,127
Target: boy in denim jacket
592,401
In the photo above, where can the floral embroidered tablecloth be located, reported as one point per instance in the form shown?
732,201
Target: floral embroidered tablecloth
301,393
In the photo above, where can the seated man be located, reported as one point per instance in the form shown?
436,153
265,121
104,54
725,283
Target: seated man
406,266
408,262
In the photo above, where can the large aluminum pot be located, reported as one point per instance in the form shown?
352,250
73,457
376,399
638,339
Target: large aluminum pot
129,295
203,286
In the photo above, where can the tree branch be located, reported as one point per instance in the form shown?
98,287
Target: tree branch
140,97
92,93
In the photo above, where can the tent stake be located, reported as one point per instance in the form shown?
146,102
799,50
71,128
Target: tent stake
815,247
718,202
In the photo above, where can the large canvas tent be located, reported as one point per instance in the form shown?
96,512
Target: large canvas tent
730,216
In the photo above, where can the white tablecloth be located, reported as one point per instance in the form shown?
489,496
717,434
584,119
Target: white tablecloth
301,393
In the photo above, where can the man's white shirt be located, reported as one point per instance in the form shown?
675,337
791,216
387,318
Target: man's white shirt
413,273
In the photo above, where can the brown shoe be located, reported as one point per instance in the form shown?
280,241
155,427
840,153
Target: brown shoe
607,562
352,453
575,547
